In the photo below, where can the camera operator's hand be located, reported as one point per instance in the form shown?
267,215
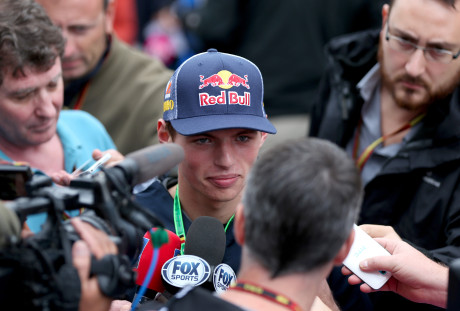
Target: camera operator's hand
94,242
62,178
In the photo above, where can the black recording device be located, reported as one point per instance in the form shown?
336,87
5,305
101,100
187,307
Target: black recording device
453,295
13,180
37,272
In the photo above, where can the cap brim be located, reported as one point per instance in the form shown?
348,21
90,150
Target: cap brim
202,124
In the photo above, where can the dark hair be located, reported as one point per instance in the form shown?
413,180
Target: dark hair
28,38
300,202
172,132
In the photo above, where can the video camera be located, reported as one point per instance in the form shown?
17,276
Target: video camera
36,273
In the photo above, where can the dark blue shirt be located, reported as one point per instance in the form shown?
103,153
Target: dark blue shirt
157,199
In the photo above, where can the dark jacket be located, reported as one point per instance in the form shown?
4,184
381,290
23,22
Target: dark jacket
157,199
417,192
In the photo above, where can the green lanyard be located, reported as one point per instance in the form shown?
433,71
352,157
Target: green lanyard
179,224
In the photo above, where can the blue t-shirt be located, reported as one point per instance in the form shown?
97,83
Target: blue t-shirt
80,133
157,199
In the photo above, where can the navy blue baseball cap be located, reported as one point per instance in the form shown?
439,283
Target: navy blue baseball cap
214,91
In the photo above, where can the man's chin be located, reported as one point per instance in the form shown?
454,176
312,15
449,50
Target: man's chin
38,139
73,73
412,100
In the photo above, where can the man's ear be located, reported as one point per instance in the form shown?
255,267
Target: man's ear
163,134
238,227
385,12
342,254
110,16
264,137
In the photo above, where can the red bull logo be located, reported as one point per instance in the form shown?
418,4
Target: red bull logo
224,79
233,99
236,80
214,80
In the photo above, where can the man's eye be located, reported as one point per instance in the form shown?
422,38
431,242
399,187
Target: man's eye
243,138
202,140
404,44
79,29
22,97
52,85
438,53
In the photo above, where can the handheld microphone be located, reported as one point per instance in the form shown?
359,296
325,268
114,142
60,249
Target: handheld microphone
203,253
166,252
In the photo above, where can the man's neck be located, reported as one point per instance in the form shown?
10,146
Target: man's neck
299,288
393,117
195,206
74,87
47,157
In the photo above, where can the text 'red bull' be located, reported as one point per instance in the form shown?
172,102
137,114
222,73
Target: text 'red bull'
233,99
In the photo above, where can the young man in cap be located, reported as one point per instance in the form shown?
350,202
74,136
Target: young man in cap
213,108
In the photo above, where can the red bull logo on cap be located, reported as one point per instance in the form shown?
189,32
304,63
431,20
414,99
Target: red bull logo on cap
225,80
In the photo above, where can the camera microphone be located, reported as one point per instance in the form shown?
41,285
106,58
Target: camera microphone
144,164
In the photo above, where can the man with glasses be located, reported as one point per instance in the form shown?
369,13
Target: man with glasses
391,99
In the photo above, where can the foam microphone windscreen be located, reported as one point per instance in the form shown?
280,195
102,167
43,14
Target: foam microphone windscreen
152,161
206,239
165,252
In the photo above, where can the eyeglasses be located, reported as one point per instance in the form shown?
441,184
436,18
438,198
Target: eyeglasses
431,54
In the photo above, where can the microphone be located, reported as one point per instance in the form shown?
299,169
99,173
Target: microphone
144,164
138,167
201,263
206,239
165,252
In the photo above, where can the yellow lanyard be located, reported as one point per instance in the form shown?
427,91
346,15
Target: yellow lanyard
366,154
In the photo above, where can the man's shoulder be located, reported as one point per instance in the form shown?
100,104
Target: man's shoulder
130,59
196,298
128,76
355,50
80,126
154,196
78,118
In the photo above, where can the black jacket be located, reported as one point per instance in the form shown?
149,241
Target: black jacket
417,192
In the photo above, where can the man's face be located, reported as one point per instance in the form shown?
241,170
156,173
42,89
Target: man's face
415,82
30,106
85,26
216,163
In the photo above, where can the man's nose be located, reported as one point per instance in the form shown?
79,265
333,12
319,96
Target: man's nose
416,63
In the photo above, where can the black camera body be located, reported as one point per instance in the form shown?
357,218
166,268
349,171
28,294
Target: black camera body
37,272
